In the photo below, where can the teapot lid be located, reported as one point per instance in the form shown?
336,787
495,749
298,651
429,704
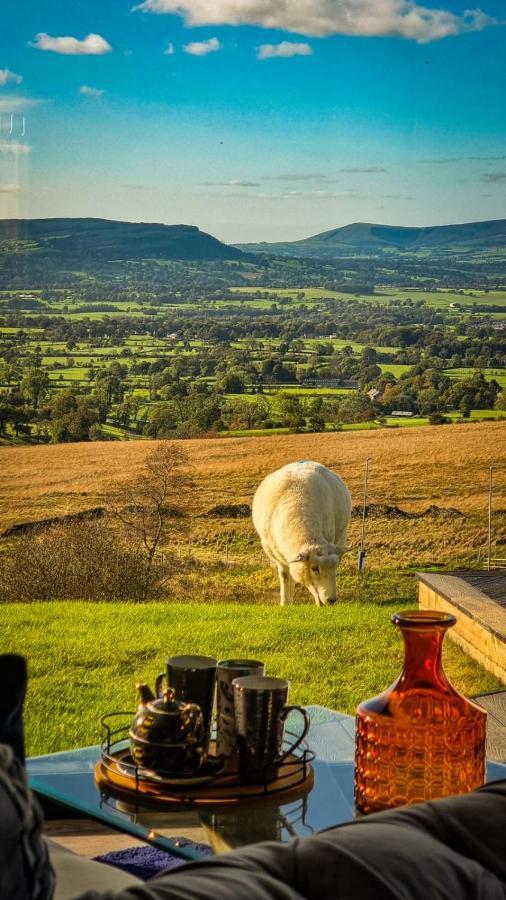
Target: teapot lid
167,703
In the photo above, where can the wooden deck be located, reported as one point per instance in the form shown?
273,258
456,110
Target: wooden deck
495,704
478,600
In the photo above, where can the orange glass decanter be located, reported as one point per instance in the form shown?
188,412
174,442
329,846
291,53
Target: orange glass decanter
420,739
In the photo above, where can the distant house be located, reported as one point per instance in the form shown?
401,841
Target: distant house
323,382
404,413
373,394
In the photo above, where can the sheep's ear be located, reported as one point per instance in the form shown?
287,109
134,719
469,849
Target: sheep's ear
300,558
342,550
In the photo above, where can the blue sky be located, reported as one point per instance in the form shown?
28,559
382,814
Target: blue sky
263,121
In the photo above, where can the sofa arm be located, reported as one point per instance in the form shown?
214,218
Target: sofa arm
75,874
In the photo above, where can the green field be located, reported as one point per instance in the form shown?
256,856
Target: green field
439,298
84,658
395,369
498,374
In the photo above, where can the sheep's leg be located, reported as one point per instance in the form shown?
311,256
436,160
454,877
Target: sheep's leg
291,588
285,585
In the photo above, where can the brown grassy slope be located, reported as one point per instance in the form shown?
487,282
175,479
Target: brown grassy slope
411,468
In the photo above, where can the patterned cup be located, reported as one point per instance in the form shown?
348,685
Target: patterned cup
228,669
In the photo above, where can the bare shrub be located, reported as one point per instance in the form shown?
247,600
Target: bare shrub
146,507
85,561
114,558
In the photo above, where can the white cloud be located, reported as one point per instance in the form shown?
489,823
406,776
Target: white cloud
14,147
319,194
363,170
368,18
170,49
283,50
9,188
88,91
11,104
298,176
92,44
202,48
6,75
234,182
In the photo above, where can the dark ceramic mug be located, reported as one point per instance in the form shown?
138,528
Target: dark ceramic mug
260,714
227,671
193,678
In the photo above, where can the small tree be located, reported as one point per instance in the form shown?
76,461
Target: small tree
35,385
145,507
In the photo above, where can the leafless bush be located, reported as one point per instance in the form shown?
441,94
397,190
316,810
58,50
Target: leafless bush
117,557
145,507
86,561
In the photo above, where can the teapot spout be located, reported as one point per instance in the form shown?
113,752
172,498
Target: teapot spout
145,693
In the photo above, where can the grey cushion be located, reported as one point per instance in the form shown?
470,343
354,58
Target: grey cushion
75,874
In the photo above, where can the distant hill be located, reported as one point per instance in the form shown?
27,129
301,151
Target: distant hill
376,240
106,240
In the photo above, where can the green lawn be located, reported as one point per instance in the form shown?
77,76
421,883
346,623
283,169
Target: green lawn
84,658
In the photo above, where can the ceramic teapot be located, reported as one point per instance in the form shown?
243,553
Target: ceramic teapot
167,736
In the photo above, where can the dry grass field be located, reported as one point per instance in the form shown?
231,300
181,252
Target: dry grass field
445,466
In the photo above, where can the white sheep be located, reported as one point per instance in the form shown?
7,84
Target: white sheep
301,513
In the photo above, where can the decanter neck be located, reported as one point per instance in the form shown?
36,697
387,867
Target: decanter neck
423,633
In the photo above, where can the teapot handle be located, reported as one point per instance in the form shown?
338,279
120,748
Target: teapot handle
159,683
193,720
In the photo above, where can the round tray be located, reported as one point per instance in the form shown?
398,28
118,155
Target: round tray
295,777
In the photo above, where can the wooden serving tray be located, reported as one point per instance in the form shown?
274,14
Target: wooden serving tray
223,790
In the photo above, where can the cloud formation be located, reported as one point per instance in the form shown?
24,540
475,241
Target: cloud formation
88,91
234,182
487,158
493,177
10,103
320,18
298,176
283,50
442,161
6,75
169,51
91,45
10,188
14,147
319,195
363,170
202,48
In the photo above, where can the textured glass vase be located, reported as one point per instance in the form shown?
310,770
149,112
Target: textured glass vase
420,739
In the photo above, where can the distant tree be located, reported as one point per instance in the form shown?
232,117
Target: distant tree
35,385
356,407
145,505
231,383
291,412
500,402
315,413
72,416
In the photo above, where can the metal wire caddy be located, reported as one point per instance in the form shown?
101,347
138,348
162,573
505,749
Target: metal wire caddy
293,773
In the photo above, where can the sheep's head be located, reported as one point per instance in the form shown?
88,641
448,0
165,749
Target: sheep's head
315,568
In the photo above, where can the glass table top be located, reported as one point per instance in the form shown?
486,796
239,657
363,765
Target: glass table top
193,832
